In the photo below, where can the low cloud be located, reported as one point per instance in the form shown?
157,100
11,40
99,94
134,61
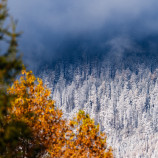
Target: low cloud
50,26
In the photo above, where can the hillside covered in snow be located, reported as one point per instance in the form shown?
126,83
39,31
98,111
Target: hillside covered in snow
122,96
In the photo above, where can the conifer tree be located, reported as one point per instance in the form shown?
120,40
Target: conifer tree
11,132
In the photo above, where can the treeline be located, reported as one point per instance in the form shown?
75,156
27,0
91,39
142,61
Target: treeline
30,125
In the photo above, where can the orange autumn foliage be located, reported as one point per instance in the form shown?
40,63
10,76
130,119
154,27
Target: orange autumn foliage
33,105
51,133
85,139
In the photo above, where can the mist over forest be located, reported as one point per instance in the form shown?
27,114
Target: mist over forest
64,30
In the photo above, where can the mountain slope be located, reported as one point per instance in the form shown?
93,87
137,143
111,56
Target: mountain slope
121,96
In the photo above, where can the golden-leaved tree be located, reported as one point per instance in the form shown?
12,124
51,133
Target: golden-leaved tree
85,140
78,138
34,106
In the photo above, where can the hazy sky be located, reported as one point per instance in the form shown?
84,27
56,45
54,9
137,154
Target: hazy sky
52,27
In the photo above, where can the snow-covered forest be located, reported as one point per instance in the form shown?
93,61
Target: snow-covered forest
123,99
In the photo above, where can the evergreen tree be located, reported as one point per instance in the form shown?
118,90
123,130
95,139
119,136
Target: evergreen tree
11,132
